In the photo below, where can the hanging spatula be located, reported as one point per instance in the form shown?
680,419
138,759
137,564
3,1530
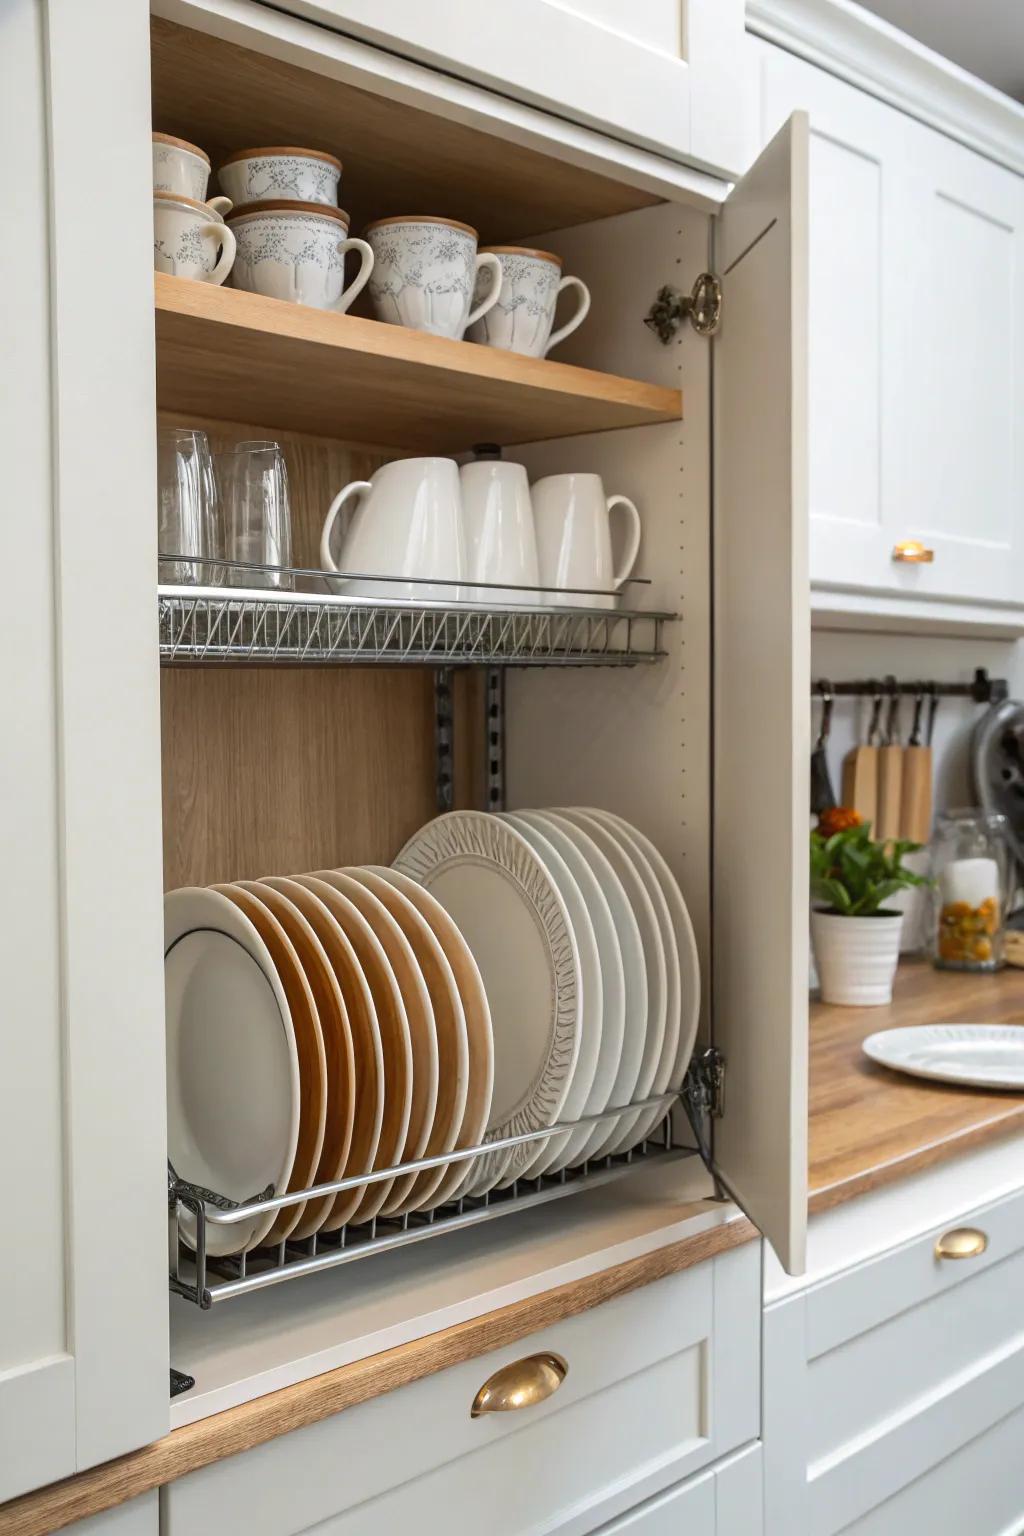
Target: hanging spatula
890,772
823,796
860,769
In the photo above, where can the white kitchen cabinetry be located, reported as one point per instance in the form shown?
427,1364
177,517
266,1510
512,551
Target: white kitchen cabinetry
83,1318
664,74
916,356
894,1387
659,1383
139,1517
725,1501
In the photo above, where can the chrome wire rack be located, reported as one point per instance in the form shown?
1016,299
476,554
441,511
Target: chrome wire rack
204,1279
289,624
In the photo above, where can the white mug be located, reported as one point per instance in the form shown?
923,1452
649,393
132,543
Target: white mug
424,273
296,252
181,167
190,239
407,522
500,541
285,174
572,516
522,318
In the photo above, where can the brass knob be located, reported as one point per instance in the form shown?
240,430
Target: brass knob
522,1384
913,552
961,1243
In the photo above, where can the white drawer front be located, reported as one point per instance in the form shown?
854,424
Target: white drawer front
724,1501
879,1377
977,1492
659,1383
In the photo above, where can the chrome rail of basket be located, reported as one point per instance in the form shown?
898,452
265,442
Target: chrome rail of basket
204,1279
302,622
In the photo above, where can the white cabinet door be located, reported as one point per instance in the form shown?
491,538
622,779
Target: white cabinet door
762,680
916,285
83,1306
724,1501
664,74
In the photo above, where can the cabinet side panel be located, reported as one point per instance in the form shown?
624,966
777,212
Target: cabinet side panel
635,740
108,720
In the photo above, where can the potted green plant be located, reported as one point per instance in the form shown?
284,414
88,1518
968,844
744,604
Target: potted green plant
856,938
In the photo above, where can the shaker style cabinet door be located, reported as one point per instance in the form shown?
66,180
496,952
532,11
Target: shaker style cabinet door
762,680
83,1303
916,285
667,75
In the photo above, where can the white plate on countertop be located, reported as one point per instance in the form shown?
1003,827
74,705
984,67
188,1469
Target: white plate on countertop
975,1055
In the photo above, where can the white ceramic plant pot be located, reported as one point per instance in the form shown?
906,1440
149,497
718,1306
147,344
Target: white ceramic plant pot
856,957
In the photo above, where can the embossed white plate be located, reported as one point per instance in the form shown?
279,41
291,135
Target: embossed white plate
509,910
980,1055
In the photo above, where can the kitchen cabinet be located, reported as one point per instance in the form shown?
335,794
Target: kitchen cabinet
722,1502
894,1381
656,1385
83,1341
667,76
913,430
139,1517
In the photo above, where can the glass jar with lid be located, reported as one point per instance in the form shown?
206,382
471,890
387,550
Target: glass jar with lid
970,858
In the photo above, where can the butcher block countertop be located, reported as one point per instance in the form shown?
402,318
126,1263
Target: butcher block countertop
870,1126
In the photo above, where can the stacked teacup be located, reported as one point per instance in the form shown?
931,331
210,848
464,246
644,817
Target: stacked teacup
292,236
190,238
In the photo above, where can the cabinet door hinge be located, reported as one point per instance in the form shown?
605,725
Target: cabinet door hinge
702,306
705,1083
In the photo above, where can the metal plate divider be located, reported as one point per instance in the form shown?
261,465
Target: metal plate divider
205,1280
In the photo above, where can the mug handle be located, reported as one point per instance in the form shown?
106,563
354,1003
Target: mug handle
361,278
578,318
224,237
486,259
357,487
633,545
221,205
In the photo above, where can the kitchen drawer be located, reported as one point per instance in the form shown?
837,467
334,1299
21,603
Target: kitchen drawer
659,1383
724,1501
138,1517
877,1375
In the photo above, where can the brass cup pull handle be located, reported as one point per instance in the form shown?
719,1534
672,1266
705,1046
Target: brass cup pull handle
913,552
961,1243
522,1384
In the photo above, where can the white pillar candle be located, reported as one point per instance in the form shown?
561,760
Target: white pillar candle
970,880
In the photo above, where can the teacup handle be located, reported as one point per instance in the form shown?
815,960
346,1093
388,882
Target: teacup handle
221,205
578,318
226,240
486,259
633,543
361,278
357,488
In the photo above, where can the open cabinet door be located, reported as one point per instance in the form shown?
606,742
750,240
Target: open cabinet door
761,691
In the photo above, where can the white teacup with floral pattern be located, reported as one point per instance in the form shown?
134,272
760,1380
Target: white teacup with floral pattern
281,174
181,167
296,252
190,239
522,318
424,273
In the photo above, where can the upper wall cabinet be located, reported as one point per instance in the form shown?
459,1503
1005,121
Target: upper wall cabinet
668,75
916,357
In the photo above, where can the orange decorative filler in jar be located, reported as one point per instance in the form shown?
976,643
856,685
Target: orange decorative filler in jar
970,860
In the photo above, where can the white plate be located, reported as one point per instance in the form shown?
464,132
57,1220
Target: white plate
509,910
654,962
980,1055
479,1035
232,1064
551,1155
631,953
612,1004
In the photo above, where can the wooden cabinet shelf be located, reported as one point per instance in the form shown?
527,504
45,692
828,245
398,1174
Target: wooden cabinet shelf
241,357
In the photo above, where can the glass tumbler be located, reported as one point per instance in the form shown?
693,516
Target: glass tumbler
971,863
188,532
257,518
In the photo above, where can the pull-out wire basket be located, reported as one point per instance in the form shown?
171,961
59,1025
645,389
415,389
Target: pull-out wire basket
205,1280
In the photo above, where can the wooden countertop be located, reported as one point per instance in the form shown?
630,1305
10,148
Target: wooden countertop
870,1126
